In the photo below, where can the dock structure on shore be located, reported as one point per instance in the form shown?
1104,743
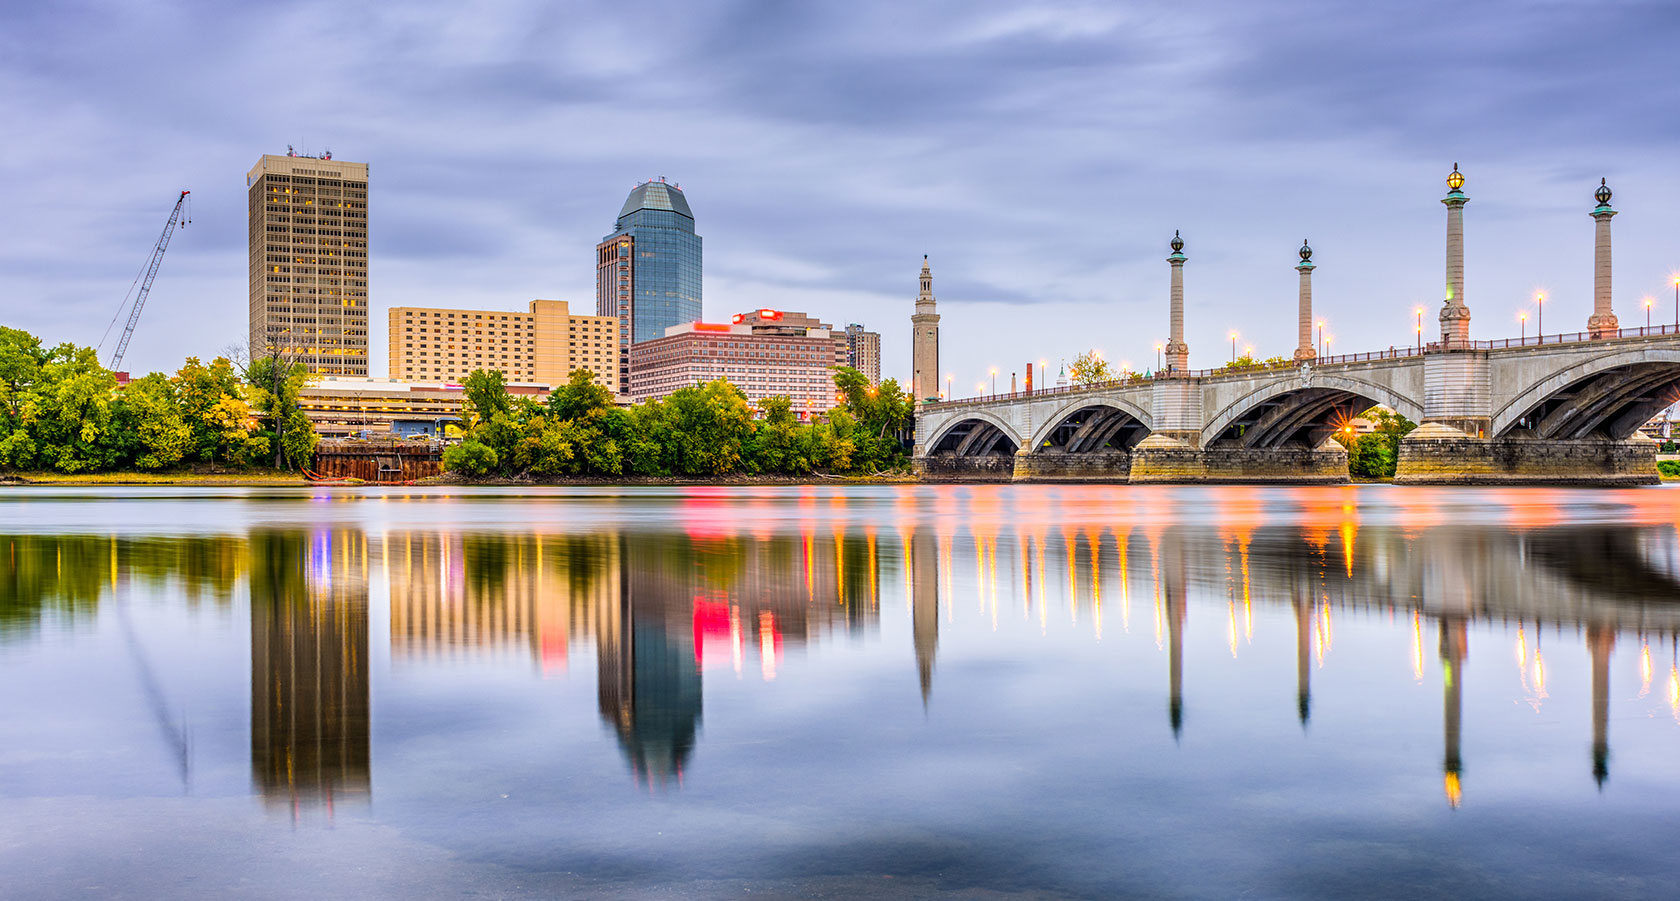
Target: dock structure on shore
378,460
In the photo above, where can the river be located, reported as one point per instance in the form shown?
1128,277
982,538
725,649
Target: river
891,691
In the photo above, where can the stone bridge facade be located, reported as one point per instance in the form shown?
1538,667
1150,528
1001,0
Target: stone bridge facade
1566,410
1552,409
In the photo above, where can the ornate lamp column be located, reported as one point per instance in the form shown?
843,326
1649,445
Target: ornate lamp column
1304,350
1455,316
1602,323
1178,353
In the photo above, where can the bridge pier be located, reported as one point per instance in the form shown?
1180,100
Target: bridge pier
1440,456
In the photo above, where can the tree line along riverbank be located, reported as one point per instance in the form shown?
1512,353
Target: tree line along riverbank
64,417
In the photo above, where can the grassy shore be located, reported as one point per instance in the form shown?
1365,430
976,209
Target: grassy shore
272,478
259,478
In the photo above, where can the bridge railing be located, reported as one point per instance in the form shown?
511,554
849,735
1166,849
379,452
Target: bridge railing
1644,331
1393,353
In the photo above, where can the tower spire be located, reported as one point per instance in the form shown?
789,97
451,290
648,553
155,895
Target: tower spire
1178,353
1603,322
1304,349
924,340
1455,315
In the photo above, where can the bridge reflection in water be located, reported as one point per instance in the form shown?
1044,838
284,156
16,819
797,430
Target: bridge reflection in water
662,608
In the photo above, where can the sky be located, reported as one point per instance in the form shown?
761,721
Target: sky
1041,154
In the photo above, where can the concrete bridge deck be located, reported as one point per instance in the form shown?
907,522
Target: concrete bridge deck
1553,409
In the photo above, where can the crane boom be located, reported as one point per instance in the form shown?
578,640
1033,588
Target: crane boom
146,285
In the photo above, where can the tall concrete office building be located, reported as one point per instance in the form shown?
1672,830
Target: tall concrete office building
309,261
647,272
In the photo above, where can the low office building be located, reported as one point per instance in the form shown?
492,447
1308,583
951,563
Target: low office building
542,345
377,408
765,353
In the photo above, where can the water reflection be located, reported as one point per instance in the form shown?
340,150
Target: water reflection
664,609
309,667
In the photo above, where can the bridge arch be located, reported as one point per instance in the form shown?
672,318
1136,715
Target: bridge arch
1608,396
974,433
1282,409
1107,419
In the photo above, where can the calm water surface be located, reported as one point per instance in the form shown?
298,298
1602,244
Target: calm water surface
899,692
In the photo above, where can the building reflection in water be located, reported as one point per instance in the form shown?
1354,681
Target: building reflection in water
667,610
685,605
309,667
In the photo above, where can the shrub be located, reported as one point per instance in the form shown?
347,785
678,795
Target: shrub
470,458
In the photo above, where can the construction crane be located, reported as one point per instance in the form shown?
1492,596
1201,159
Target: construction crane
146,282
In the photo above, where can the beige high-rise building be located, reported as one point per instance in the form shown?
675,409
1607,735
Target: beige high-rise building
544,344
863,352
309,261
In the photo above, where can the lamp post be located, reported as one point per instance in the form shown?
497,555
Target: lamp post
1041,365
1321,344
1233,347
1677,301
1676,320
994,381
1540,316
1419,312
1523,318
948,394
1647,314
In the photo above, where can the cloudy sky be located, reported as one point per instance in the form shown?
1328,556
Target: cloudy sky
1041,153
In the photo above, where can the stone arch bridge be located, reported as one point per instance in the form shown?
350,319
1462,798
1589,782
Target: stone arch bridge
1563,409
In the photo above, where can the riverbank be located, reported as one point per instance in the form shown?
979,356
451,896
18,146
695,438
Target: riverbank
258,479
274,479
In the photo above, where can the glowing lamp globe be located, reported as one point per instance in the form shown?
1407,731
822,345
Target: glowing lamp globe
1456,179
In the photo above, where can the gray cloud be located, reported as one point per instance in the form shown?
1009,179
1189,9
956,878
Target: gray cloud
1041,153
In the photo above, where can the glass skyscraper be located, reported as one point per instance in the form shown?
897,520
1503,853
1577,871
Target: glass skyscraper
647,272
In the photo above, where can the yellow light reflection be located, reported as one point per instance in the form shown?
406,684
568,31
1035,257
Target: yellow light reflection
1644,670
1417,646
1231,613
1455,792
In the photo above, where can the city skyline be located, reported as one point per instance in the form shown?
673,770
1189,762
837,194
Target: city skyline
1244,131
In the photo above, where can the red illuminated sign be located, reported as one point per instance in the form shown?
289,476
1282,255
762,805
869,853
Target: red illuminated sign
710,327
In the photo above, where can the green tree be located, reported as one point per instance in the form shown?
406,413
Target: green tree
1090,367
213,406
71,412
148,431
470,457
709,425
486,395
276,384
580,399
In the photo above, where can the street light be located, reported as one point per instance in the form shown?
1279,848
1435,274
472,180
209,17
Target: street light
1540,315
1041,365
1523,318
1677,301
1321,344
1419,312
1676,319
948,394
1648,302
994,381
1233,347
